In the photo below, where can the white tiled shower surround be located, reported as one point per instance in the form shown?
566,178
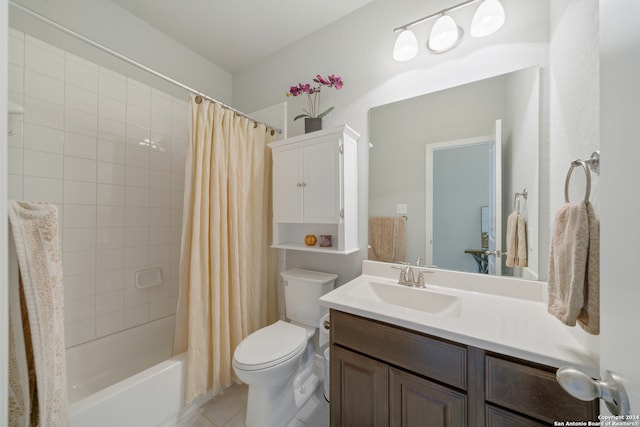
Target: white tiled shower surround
109,152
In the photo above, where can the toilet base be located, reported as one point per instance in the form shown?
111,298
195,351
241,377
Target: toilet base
275,404
275,407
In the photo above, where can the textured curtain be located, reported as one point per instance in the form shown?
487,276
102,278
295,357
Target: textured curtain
227,271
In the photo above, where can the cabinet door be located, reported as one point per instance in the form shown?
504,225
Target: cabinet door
287,186
418,402
359,390
322,183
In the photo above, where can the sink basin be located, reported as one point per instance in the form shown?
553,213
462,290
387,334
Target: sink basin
406,297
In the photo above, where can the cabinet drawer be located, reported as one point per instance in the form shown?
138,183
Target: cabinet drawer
497,417
436,359
533,391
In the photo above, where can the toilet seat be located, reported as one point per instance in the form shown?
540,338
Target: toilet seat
270,346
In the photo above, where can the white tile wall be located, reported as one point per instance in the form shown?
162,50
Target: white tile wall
109,151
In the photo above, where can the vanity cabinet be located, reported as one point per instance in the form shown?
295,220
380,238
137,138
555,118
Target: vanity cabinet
384,375
315,190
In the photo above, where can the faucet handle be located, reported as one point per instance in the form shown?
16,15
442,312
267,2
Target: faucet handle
420,281
403,273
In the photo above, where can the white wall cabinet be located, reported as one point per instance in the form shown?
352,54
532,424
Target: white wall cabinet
315,190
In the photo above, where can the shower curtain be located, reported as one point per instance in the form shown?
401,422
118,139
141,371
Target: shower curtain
227,271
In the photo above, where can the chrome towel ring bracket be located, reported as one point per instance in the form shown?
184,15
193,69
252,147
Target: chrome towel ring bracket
592,164
516,199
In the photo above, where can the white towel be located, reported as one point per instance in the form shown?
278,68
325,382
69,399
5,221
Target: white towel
34,228
516,241
574,267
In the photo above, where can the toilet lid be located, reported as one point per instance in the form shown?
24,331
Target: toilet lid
270,346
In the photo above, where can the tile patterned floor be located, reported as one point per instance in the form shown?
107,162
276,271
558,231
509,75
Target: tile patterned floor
229,410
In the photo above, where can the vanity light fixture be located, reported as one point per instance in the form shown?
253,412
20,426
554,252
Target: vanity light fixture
446,34
488,19
406,46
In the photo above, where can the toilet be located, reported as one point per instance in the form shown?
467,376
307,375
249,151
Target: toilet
276,362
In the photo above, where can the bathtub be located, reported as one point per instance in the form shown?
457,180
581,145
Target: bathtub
127,379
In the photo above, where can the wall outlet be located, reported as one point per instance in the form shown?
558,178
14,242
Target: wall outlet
401,208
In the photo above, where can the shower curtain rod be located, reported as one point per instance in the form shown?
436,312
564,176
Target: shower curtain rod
133,62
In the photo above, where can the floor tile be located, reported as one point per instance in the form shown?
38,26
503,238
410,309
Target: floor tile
315,413
194,420
237,420
224,407
229,410
296,423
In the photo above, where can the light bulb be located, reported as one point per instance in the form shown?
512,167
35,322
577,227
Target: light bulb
488,18
406,46
445,34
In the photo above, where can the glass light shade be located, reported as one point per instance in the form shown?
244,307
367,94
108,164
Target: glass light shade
445,34
406,46
488,18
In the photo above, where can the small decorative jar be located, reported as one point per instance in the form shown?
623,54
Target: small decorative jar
325,241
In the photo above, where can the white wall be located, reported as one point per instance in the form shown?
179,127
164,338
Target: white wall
574,115
108,23
109,151
4,289
520,162
358,48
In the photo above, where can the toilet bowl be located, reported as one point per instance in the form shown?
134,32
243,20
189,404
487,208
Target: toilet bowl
276,362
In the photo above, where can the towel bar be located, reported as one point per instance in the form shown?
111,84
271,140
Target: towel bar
593,163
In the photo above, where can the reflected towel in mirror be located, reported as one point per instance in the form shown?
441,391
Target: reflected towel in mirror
516,241
387,238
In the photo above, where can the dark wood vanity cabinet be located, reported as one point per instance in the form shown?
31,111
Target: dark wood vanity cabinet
383,375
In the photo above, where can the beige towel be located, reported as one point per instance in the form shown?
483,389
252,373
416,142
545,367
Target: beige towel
574,267
34,228
516,241
387,238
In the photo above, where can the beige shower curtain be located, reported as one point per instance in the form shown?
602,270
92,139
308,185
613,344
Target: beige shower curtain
227,271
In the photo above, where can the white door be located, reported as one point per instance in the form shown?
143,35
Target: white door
495,229
620,200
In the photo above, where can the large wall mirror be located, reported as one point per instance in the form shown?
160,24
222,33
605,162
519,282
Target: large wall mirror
435,186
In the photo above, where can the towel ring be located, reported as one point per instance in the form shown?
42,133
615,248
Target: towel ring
587,176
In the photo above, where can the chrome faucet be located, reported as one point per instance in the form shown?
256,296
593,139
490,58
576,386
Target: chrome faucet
407,276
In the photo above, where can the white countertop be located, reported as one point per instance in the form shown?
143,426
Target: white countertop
496,314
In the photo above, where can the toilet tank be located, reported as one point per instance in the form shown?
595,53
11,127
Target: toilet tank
302,289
